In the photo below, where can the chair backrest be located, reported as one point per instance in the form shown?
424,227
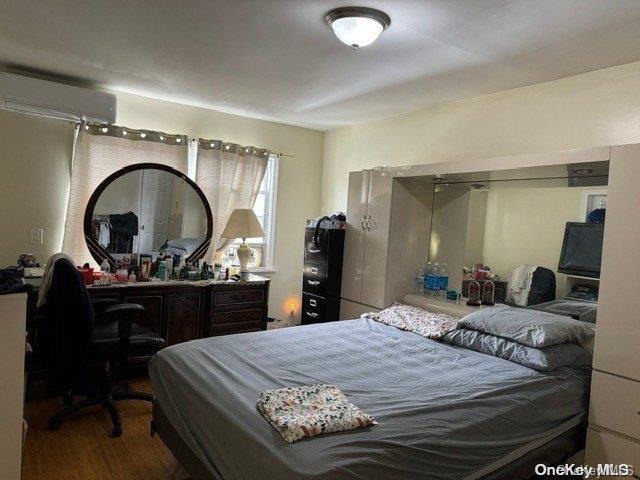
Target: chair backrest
68,320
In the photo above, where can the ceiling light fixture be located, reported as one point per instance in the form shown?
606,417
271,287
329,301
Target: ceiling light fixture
357,26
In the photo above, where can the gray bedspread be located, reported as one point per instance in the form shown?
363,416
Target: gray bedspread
443,412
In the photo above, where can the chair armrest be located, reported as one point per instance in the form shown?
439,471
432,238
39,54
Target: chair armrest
123,313
104,302
100,305
124,308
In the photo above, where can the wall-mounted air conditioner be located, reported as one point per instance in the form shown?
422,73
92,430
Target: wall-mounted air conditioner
33,96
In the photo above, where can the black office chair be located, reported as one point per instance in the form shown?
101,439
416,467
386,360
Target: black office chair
83,355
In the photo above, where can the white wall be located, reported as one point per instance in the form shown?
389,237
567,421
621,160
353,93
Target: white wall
593,109
35,167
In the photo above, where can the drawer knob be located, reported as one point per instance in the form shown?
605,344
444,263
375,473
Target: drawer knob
312,314
314,250
313,282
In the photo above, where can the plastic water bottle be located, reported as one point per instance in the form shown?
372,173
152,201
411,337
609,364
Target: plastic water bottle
435,281
428,277
420,281
444,279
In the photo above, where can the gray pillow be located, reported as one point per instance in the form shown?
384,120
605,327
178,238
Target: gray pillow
543,359
528,327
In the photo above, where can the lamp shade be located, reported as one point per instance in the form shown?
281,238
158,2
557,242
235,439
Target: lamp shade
243,223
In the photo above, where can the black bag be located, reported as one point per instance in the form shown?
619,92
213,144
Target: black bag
543,286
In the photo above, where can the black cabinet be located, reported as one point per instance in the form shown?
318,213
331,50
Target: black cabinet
322,275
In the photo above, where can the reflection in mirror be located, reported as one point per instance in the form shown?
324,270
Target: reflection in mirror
147,211
513,231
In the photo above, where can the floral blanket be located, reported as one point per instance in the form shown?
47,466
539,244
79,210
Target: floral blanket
299,412
416,320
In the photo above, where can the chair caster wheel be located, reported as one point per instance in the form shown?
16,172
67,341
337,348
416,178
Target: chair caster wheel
54,425
117,431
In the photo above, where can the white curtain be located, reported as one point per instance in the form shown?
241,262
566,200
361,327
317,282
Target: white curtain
230,177
101,151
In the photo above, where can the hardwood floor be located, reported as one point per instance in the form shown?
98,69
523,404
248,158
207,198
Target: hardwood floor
83,450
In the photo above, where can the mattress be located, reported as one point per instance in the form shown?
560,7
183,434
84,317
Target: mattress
443,412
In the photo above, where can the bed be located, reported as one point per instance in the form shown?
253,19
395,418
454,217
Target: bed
443,412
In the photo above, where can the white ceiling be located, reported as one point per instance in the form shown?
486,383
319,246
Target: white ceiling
277,60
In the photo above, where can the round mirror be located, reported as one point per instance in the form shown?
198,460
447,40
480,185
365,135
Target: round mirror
146,209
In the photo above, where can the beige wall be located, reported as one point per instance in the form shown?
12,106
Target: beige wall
526,225
34,178
122,196
34,183
597,108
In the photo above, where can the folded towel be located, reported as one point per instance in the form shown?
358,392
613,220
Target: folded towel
415,320
299,412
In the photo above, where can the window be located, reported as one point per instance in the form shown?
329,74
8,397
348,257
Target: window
265,210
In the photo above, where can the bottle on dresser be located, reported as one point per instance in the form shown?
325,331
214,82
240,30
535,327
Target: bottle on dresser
420,281
443,280
428,278
435,279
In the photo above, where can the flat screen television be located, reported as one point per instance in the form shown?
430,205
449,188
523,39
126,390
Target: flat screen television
581,249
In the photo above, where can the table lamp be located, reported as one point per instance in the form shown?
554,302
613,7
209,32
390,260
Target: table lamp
243,224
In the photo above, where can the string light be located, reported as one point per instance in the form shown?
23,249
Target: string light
212,144
104,129
178,140
161,137
86,127
124,132
143,135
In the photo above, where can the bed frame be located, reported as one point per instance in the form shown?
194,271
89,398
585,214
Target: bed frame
553,452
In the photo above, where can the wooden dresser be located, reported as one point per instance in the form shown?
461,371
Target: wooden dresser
183,310
614,415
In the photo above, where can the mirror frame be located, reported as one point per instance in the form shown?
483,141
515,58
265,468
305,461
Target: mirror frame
99,253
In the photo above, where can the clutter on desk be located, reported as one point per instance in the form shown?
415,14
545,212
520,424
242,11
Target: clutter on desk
11,281
329,222
479,272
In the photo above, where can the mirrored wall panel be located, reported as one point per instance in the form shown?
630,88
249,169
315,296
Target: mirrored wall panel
538,238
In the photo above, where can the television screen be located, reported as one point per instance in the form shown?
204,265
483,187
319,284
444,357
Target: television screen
582,249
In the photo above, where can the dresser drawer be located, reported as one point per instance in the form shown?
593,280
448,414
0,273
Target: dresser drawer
232,328
315,252
237,316
314,278
234,297
313,309
615,404
608,448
